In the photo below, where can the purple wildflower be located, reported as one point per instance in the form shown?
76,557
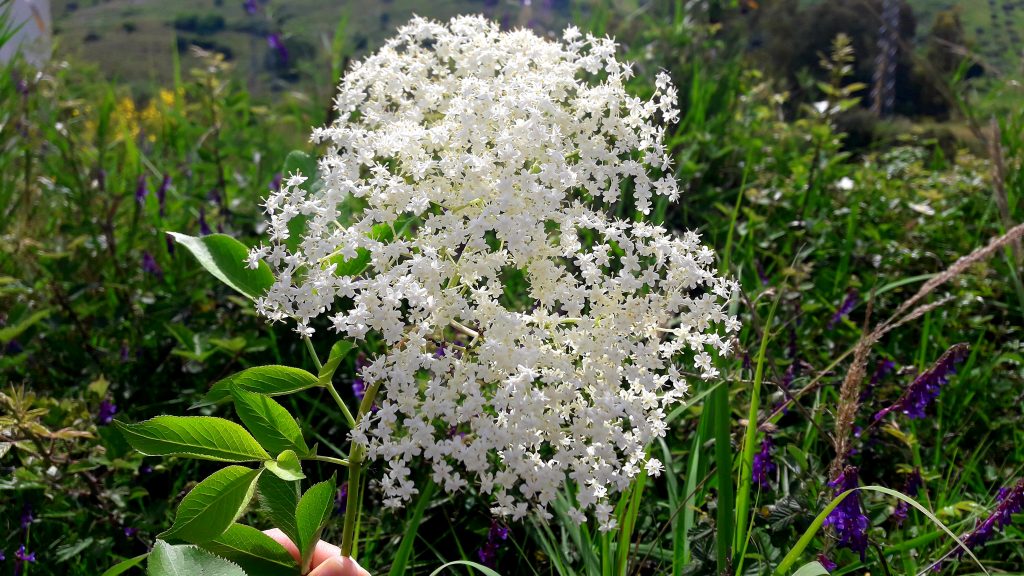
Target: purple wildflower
24,556
275,184
341,498
763,466
26,516
849,303
488,553
274,41
204,227
250,7
145,469
2,557
130,531
882,369
149,265
826,562
161,193
105,415
359,388
1011,501
141,190
910,488
926,387
847,519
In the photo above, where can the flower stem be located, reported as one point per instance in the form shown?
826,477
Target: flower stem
312,353
341,404
331,460
353,503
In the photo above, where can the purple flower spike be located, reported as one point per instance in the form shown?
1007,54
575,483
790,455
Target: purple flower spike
141,190
763,466
105,415
826,562
149,265
849,303
24,556
275,184
250,7
488,553
882,369
161,193
847,519
926,387
1011,501
274,41
359,388
910,488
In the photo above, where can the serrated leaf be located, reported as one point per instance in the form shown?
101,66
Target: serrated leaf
271,425
167,560
200,437
271,380
210,508
124,566
279,499
287,466
339,351
257,553
310,515
225,258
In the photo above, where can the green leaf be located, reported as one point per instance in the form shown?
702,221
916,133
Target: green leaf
340,349
200,437
400,563
813,568
310,515
9,333
271,380
124,566
225,258
210,508
257,553
352,266
287,466
167,560
279,499
484,569
271,425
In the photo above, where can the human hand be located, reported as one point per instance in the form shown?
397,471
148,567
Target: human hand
327,558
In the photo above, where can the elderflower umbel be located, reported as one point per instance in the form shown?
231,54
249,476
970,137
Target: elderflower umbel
530,335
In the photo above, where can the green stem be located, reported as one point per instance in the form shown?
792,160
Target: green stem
331,460
312,354
341,404
353,502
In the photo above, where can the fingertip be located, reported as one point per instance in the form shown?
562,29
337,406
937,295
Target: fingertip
284,541
339,566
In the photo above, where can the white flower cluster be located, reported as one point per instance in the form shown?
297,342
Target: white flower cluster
529,335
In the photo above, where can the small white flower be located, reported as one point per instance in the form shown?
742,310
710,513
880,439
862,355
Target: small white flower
845,183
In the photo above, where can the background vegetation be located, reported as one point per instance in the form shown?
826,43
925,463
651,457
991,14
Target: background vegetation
829,213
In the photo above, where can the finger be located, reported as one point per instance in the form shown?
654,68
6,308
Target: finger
322,553
339,566
284,541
